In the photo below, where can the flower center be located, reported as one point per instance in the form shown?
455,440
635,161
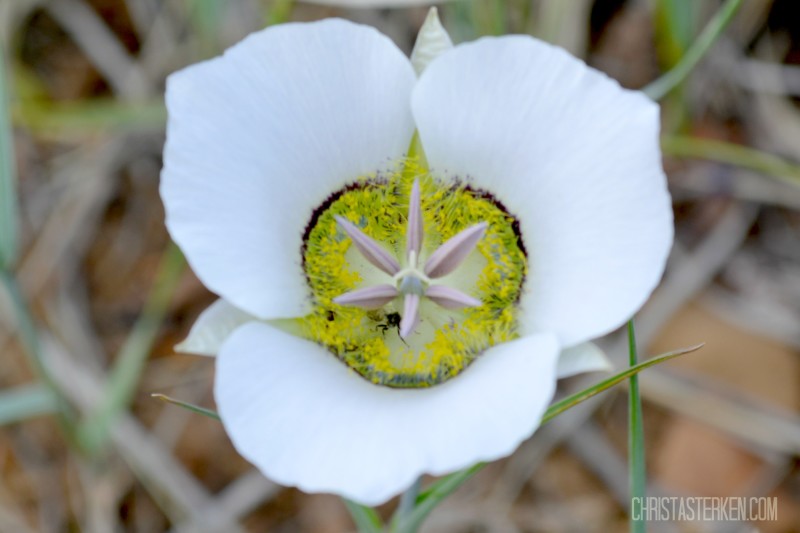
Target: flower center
412,277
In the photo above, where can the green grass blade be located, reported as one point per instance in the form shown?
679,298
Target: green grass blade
674,33
573,400
408,501
365,518
66,120
663,85
27,401
205,16
458,20
636,463
8,180
186,405
731,154
124,376
674,29
280,11
431,497
478,18
443,487
28,336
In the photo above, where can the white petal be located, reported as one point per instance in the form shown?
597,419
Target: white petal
212,327
573,156
261,136
586,357
306,420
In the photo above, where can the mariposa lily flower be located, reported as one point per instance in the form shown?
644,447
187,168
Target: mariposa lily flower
408,253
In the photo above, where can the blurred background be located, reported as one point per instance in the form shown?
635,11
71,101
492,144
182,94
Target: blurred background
97,296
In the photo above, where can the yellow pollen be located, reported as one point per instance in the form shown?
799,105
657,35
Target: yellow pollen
446,341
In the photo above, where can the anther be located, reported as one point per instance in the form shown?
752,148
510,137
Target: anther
452,253
373,297
450,298
410,315
369,248
414,231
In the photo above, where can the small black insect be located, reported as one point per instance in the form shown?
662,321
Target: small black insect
392,321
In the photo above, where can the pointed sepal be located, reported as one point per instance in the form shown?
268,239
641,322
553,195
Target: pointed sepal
432,41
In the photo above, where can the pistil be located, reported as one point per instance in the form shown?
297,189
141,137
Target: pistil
411,282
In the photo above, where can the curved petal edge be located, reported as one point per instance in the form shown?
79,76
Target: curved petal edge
573,156
306,420
259,137
586,357
212,327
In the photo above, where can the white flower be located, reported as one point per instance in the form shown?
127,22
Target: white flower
397,303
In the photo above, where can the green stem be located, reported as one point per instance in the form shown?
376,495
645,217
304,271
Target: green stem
26,401
365,518
186,405
408,502
674,30
50,120
26,330
637,471
205,16
8,194
25,326
663,85
731,154
433,496
280,11
579,397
